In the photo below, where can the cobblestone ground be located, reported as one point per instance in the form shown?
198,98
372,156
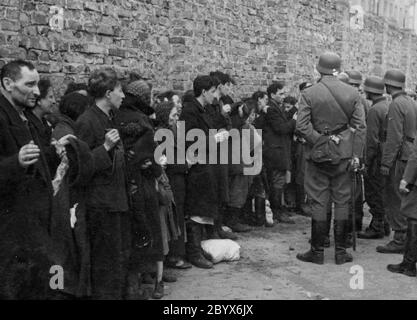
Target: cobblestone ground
269,270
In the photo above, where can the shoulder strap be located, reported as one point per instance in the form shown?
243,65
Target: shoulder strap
348,116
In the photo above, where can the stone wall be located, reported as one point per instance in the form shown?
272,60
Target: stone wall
172,41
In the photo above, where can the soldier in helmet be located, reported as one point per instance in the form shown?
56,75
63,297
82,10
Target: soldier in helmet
374,88
408,187
355,80
401,134
331,117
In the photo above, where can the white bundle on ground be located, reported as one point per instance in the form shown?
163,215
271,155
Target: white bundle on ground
221,250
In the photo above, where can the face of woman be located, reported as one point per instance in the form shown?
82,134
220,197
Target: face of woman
47,104
173,117
116,97
263,102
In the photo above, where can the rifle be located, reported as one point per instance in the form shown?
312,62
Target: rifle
355,172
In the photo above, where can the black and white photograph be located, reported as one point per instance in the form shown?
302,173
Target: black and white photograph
220,152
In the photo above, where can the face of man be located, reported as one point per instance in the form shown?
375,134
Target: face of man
279,96
226,89
209,95
116,97
24,91
218,92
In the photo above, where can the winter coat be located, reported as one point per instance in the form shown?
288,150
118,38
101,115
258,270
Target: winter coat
202,197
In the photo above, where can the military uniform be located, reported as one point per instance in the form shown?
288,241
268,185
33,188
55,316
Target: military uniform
374,182
409,210
319,114
401,133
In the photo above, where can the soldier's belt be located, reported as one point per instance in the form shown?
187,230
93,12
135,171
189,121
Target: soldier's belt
334,132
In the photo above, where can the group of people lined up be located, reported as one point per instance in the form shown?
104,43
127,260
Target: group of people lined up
82,191
83,197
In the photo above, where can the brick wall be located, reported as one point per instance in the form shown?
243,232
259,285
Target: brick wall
172,41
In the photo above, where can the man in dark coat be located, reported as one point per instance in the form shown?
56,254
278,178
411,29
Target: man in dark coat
401,134
27,218
375,135
107,204
202,201
278,130
330,115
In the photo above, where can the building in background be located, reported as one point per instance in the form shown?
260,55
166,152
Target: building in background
403,13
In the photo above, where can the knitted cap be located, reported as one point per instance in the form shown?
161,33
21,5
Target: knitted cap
140,89
162,111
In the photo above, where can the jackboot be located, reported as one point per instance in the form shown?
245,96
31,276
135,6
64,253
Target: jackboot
408,266
260,211
397,246
340,239
327,234
316,253
375,231
233,221
193,246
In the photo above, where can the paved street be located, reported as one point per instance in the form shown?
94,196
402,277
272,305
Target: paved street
269,270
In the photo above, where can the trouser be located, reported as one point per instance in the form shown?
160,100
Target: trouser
374,184
110,239
392,197
328,184
358,206
276,181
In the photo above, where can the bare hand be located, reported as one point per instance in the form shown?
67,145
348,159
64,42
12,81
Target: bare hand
385,171
146,165
227,108
29,154
65,140
163,161
111,139
403,187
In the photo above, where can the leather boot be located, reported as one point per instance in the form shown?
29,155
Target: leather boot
408,266
194,250
316,253
340,238
397,246
375,231
233,221
327,234
260,211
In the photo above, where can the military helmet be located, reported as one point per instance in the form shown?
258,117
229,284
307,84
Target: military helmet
355,77
395,78
344,77
329,63
374,84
